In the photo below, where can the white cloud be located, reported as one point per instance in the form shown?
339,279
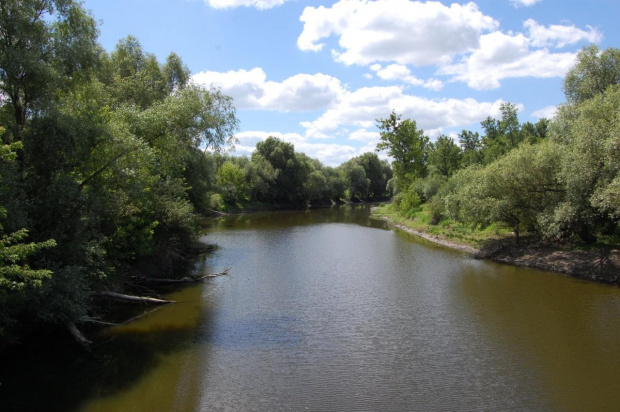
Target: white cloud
558,35
259,4
251,90
401,31
546,112
361,107
503,56
402,73
524,3
362,135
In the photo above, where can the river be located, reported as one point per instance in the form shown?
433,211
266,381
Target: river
330,310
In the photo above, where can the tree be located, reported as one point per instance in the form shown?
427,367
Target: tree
471,145
593,73
231,181
100,158
501,136
356,181
290,170
516,190
445,156
589,132
534,133
44,45
15,272
406,145
378,173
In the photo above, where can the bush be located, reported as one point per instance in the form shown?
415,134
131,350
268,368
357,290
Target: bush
409,202
216,202
436,207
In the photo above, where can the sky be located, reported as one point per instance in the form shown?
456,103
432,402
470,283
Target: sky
319,74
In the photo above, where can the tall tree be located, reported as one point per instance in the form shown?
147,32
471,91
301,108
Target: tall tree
471,145
406,145
445,156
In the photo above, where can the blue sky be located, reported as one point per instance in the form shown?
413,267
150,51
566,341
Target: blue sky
318,74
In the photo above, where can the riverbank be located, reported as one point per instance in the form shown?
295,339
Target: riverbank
600,263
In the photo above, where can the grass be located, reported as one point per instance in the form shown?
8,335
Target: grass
446,228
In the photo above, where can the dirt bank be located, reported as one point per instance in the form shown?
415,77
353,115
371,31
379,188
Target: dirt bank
598,264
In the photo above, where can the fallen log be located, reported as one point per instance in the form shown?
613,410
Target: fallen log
214,275
186,279
78,336
97,321
131,298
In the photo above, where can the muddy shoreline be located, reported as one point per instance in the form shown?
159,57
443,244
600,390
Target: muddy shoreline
599,265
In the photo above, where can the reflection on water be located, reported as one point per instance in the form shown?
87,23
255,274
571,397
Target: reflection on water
329,310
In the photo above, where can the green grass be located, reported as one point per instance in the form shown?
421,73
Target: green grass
446,228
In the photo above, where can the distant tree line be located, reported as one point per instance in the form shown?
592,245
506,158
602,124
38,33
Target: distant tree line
276,175
556,180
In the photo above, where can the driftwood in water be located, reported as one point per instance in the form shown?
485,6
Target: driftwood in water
131,298
97,321
187,279
78,336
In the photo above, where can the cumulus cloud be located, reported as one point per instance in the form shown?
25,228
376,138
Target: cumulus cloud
361,107
259,4
251,89
524,3
402,73
363,135
546,112
391,36
401,31
503,56
559,35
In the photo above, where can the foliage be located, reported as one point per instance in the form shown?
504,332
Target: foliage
590,134
15,272
104,153
445,156
231,181
406,145
594,72
513,190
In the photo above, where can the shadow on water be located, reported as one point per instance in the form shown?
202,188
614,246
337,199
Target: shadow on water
53,374
349,214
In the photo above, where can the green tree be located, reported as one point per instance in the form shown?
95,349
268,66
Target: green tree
355,179
516,190
406,145
15,272
44,46
231,181
378,173
445,156
589,132
471,145
501,136
290,170
593,73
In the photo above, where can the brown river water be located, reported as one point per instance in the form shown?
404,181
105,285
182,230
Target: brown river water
330,310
